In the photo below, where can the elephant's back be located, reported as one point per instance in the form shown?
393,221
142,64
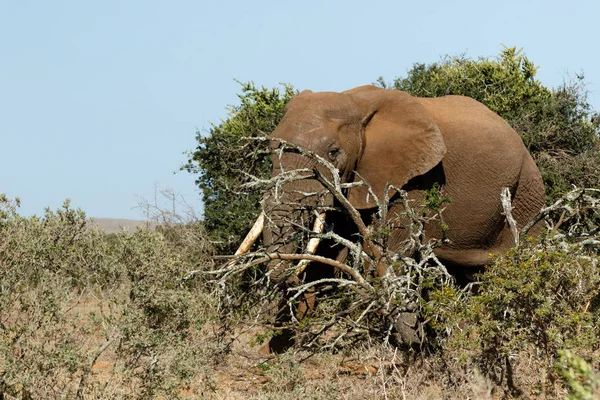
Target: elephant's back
460,117
473,133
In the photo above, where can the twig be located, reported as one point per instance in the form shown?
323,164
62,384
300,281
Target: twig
86,372
286,257
558,204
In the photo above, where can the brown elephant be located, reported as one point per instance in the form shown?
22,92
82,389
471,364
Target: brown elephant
390,137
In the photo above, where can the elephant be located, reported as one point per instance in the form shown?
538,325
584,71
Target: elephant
388,137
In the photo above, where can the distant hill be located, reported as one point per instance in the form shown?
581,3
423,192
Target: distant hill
111,225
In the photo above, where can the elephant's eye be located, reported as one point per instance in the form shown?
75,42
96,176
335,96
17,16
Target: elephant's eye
333,153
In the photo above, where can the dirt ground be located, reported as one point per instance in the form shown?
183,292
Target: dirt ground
248,373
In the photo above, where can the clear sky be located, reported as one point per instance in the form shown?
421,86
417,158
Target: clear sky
100,98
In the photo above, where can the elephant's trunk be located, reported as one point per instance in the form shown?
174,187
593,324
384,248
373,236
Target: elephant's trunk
278,235
293,205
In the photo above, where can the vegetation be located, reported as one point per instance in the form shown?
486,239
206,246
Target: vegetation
144,314
582,381
82,316
558,126
531,305
226,157
140,315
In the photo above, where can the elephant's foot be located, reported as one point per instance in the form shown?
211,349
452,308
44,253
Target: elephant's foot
279,344
406,330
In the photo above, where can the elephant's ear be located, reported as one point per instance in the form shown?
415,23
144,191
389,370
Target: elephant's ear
400,141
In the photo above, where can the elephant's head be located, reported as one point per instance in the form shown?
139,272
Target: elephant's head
385,136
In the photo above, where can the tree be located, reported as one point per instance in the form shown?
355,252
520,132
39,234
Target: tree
226,156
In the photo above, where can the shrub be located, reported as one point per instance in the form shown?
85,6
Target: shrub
528,306
557,125
580,378
74,302
47,265
226,156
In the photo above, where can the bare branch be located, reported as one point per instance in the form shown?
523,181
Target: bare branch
229,268
397,283
584,193
507,207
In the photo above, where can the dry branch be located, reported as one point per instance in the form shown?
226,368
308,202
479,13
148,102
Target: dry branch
359,304
590,196
505,198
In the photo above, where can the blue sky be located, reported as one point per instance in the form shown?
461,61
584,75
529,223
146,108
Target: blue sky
99,99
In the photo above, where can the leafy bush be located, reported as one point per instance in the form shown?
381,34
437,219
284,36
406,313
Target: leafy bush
528,306
582,381
224,158
59,241
85,317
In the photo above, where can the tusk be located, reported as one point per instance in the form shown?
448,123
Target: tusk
252,235
313,243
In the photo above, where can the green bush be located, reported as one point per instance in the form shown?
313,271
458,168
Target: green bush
579,376
226,156
59,241
528,306
557,125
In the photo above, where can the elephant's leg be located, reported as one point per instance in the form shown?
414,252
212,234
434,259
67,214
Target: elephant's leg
287,337
307,305
304,307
